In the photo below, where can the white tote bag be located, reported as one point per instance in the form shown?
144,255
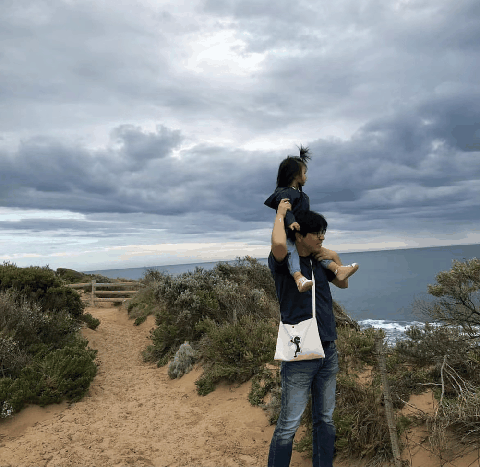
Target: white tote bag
300,341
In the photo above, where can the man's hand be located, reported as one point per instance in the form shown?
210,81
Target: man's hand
324,253
284,206
294,226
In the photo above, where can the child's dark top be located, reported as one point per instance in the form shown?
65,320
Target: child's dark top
298,199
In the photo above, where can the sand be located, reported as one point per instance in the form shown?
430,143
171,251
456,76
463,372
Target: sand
135,415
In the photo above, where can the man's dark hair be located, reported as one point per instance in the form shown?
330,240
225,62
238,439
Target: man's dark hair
290,167
311,222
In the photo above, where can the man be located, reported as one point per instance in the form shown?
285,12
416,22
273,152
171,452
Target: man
318,376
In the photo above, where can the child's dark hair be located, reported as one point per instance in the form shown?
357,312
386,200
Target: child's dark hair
290,167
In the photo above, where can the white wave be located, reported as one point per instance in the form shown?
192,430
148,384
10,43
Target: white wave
390,325
394,330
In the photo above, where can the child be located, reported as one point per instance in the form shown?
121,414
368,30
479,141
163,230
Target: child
292,176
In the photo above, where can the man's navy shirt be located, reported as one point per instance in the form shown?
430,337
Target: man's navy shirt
296,306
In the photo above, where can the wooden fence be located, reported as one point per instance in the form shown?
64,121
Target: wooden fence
96,295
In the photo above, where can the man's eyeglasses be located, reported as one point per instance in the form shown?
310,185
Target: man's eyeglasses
319,234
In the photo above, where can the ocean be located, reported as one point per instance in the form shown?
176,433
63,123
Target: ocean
381,293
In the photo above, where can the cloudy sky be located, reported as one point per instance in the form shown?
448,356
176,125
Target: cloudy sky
138,132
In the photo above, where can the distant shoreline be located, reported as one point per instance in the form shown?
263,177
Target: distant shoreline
199,263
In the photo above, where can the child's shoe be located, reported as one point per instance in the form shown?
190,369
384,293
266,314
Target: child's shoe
304,284
344,272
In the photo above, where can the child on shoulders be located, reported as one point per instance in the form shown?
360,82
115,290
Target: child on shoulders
291,177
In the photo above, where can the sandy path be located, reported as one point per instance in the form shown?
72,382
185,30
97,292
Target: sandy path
134,414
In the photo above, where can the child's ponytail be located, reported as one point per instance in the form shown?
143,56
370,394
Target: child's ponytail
291,166
304,154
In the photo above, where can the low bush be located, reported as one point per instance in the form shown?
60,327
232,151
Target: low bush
356,348
42,286
70,276
69,371
65,373
430,346
449,360
90,321
234,352
222,295
28,325
267,383
12,358
42,358
183,361
145,302
362,430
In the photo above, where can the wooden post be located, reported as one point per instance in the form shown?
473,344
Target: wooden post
93,292
392,427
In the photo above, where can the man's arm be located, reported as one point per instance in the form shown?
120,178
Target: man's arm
279,237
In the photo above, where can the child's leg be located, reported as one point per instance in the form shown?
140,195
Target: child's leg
293,260
342,272
326,263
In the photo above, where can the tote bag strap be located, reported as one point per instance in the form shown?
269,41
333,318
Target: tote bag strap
313,291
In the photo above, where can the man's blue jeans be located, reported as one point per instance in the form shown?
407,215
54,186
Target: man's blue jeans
299,379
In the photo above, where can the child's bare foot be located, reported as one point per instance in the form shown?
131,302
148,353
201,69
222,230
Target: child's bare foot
344,272
304,284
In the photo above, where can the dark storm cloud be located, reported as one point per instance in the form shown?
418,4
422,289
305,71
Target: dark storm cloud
405,165
47,174
404,75
418,158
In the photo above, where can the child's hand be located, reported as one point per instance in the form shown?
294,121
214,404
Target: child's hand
295,226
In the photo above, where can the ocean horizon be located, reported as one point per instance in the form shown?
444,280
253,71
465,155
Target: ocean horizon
384,291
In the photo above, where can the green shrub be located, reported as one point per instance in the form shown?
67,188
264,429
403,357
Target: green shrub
457,293
141,319
222,295
69,371
430,346
90,321
266,381
12,399
12,357
63,299
249,271
42,359
362,429
28,325
42,286
234,352
70,276
62,374
356,348
144,303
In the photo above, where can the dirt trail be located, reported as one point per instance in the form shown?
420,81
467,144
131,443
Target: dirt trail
134,414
